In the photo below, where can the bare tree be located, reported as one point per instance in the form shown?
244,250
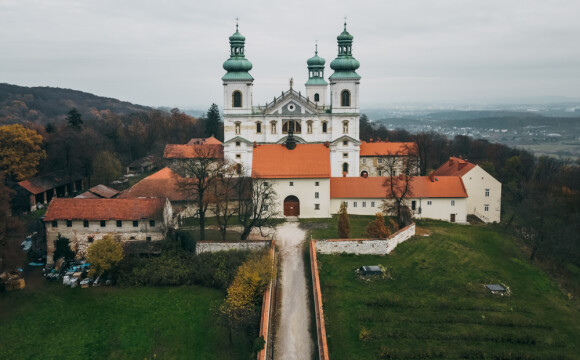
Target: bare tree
400,167
198,173
224,195
256,204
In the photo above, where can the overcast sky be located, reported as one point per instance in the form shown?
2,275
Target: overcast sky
170,53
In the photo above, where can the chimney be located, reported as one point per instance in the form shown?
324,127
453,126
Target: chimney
431,177
344,174
327,144
255,144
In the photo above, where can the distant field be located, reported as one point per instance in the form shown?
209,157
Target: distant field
434,304
55,322
562,149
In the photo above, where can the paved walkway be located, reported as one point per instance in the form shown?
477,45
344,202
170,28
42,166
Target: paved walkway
293,329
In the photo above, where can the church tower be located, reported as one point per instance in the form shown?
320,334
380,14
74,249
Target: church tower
237,81
316,86
344,82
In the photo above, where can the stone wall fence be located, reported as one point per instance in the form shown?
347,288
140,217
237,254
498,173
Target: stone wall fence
215,246
365,246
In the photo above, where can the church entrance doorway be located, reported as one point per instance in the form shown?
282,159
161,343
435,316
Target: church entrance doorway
291,206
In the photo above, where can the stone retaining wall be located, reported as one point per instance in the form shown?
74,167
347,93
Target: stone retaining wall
365,246
266,310
215,246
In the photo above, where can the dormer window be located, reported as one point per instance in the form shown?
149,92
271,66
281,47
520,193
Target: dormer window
237,99
345,98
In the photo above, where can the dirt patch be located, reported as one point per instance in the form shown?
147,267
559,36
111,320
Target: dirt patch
421,231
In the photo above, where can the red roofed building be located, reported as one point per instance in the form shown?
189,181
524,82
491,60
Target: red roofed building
442,198
163,184
484,190
375,156
84,221
300,176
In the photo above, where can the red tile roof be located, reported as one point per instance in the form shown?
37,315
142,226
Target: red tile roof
387,148
375,187
454,167
194,149
277,162
161,184
49,181
104,209
104,191
207,141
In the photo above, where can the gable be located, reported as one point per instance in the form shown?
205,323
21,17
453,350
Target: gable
291,103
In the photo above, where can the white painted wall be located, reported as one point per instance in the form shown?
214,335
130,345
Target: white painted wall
336,88
246,89
364,246
476,182
439,209
304,190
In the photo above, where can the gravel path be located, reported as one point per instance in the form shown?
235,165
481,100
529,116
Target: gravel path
293,330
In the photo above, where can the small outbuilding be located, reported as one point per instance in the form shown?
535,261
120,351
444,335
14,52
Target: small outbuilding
371,270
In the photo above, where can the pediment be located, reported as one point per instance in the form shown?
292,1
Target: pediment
345,137
238,138
289,104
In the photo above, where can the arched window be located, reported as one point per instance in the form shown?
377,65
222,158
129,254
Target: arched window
345,98
316,97
237,99
291,125
259,127
324,126
345,168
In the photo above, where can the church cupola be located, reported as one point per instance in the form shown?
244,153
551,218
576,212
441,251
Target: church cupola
237,66
344,82
237,81
344,65
316,85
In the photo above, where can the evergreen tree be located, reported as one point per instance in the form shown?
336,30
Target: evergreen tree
74,118
213,123
343,222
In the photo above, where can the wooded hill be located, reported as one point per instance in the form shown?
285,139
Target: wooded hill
42,105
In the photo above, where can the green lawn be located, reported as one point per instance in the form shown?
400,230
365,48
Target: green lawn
56,322
328,228
434,304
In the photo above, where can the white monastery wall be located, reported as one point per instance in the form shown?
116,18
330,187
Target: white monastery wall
360,247
305,190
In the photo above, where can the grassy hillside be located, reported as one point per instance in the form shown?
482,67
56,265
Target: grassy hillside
434,304
55,322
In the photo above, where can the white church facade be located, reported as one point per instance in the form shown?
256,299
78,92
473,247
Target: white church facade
306,143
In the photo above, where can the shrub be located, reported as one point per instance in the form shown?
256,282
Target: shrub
377,228
62,248
343,222
103,255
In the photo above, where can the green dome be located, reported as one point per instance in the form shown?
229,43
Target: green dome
344,35
344,64
237,36
316,60
237,63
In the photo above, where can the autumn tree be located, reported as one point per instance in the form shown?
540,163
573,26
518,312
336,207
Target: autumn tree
343,222
20,151
256,204
106,168
377,228
103,255
197,174
241,306
11,232
213,123
74,119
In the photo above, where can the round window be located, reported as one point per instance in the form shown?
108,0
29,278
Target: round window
291,107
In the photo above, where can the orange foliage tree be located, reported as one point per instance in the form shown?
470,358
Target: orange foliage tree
20,151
